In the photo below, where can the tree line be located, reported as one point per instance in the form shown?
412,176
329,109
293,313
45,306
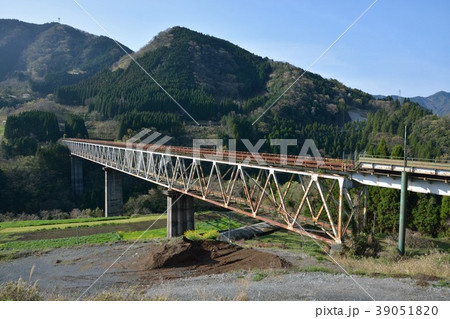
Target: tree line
167,123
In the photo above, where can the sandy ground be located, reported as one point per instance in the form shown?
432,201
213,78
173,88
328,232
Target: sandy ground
178,271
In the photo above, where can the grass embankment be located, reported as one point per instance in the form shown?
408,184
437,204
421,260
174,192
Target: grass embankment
430,266
430,262
420,263
2,130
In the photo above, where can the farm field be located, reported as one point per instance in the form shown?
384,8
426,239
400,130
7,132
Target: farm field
20,237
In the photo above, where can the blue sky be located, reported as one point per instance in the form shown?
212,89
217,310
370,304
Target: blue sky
398,45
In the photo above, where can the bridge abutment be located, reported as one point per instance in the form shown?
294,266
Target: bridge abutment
76,169
180,214
113,193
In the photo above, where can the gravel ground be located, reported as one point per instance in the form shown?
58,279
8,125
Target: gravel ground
68,272
294,286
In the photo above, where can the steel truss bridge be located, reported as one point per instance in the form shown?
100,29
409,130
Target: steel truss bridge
309,197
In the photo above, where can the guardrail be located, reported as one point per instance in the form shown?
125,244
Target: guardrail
413,159
237,156
399,162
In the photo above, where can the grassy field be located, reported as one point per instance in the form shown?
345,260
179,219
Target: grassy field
60,242
26,223
290,241
2,130
36,225
11,244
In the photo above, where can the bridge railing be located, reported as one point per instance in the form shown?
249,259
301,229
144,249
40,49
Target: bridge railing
436,164
237,156
414,159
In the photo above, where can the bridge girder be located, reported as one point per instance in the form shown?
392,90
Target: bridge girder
417,185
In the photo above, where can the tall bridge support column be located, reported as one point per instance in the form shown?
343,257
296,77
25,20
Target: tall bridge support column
76,168
113,193
180,214
402,218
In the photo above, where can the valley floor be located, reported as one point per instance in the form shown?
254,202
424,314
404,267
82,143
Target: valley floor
64,274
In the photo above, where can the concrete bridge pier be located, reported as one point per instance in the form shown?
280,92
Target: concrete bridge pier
180,214
76,168
113,193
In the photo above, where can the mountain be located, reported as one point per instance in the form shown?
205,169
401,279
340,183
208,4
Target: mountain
438,103
52,54
212,77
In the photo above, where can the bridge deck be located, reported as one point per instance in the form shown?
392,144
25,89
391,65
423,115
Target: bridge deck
433,169
419,167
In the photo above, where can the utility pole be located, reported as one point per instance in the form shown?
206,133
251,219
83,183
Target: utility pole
404,190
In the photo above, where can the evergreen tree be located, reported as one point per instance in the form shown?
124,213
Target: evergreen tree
74,126
445,215
43,126
382,149
426,215
397,151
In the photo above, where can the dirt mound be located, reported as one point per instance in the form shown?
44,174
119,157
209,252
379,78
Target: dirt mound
210,257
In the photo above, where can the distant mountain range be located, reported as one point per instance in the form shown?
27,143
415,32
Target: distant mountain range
52,54
438,103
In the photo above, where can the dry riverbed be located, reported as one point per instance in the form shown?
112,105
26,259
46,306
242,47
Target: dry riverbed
178,270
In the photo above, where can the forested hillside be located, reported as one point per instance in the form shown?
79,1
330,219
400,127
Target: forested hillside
203,73
211,77
24,132
428,135
52,54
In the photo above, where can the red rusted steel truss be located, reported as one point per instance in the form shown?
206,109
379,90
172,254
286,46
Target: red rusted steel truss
290,196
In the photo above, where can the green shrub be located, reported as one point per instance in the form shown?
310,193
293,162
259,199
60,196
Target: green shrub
193,235
120,233
211,235
259,276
